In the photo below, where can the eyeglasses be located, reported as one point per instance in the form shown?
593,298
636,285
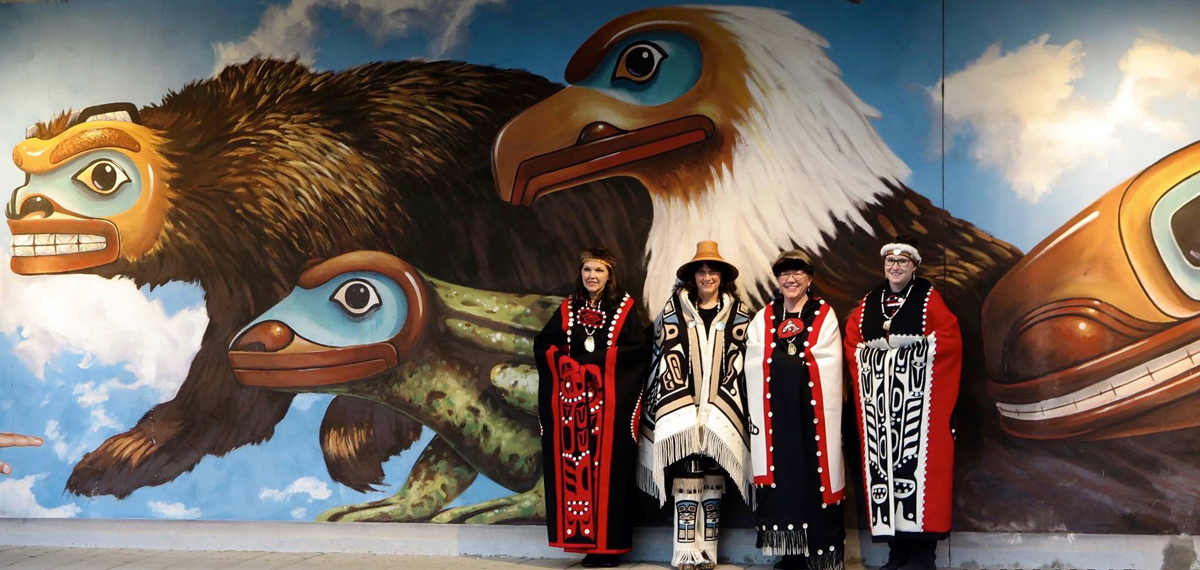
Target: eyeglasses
789,275
901,262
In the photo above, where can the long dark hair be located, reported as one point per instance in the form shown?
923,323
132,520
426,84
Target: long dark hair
728,282
612,292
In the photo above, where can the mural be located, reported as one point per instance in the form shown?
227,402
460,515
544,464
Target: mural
288,223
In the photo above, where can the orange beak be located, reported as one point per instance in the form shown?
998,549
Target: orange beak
271,355
580,135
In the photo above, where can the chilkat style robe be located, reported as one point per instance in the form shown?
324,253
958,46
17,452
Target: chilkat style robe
905,388
588,408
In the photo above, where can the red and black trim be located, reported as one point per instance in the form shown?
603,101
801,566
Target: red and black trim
768,431
828,496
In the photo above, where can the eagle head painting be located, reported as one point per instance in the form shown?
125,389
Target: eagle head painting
742,131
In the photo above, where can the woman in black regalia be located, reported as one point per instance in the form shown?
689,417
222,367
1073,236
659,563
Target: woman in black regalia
794,388
592,359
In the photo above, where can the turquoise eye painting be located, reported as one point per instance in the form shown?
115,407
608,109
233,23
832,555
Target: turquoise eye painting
649,69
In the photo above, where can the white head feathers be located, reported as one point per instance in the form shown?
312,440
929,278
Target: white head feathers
805,159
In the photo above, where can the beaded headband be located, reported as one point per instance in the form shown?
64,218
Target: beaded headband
608,261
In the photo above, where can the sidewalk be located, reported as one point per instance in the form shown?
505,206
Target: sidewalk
39,558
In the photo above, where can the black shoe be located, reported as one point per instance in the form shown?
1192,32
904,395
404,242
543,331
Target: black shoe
921,562
792,562
601,561
922,556
898,556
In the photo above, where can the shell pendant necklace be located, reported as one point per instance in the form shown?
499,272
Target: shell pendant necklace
589,343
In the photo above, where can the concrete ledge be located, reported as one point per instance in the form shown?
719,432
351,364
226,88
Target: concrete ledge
1117,551
962,550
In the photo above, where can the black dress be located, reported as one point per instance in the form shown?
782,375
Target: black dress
791,516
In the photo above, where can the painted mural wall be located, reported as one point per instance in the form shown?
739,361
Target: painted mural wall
284,261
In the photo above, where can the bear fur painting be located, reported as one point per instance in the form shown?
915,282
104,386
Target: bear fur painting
235,182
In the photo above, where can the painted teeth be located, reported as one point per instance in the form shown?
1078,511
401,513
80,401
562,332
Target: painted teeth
1126,385
27,245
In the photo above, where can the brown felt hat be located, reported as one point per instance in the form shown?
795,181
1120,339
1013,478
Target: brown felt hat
706,252
793,260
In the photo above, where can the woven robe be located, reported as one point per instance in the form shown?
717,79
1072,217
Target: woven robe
906,382
587,407
695,401
795,398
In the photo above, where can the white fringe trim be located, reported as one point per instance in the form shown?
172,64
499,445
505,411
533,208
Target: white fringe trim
653,480
646,482
686,554
688,486
667,451
715,447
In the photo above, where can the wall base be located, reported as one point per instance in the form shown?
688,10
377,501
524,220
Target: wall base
962,550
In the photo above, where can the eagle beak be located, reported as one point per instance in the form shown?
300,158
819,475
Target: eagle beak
580,135
1092,334
271,355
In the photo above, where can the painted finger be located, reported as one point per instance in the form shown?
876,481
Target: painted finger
18,440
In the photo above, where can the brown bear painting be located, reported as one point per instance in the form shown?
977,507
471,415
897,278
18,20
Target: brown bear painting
235,182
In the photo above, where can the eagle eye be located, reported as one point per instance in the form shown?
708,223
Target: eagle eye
639,62
356,298
102,177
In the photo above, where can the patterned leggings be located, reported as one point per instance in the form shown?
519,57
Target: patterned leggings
697,486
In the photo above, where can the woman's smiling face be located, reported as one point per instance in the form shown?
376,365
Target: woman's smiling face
708,280
595,277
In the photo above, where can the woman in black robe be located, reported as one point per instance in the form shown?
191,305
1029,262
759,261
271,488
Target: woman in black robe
592,358
794,388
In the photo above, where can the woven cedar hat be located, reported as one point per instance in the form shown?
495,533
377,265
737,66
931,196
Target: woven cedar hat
706,251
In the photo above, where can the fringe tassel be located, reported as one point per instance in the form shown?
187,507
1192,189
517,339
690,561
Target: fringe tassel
715,447
689,486
687,442
667,452
827,560
686,554
783,542
645,482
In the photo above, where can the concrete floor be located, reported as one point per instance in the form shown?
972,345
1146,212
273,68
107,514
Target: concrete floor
40,558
